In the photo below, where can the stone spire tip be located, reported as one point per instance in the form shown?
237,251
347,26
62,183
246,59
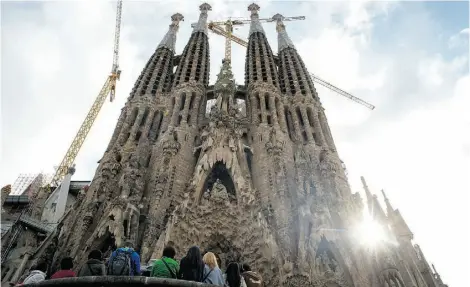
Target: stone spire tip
177,17
255,25
278,17
205,7
253,8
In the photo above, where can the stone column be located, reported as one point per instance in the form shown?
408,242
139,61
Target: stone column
20,269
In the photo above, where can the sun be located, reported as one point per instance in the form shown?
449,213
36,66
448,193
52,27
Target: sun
369,232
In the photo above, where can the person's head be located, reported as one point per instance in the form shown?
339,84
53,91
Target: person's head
66,263
169,252
41,266
233,275
95,254
210,259
129,244
246,267
194,256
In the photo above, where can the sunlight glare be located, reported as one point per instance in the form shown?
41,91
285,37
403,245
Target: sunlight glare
370,232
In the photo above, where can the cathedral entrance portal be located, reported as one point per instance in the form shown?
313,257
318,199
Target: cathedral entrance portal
219,182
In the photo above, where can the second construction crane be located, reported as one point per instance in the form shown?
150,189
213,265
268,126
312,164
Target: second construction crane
225,28
109,88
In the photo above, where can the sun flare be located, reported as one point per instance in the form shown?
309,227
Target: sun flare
370,232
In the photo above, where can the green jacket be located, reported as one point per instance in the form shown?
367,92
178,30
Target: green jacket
160,270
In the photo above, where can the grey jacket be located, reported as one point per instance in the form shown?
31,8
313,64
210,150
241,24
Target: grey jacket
92,267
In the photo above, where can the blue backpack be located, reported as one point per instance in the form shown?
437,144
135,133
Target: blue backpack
121,263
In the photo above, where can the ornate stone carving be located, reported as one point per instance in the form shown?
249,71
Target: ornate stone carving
274,146
170,144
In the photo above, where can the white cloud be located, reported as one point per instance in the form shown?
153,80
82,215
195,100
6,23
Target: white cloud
460,39
415,145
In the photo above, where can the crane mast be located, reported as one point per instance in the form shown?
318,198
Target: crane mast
216,28
109,88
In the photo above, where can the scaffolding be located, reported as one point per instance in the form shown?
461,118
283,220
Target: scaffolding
28,184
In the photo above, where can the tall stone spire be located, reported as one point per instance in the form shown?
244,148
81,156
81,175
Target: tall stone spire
169,40
374,206
194,63
156,76
294,77
387,203
259,65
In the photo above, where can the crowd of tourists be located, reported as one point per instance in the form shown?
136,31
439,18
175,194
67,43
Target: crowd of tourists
125,261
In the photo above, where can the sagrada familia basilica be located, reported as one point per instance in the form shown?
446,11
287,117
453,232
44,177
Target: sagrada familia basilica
255,179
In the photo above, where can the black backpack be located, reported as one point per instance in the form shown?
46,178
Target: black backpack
121,264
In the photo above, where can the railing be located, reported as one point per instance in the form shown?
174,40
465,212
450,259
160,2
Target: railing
118,281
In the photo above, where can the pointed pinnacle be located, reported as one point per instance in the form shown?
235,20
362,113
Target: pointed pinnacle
253,8
278,17
178,17
205,7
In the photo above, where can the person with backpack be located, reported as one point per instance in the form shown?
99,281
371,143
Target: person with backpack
192,266
37,275
252,279
66,266
212,273
94,266
124,261
167,266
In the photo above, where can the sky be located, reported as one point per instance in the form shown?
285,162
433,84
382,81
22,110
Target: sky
409,59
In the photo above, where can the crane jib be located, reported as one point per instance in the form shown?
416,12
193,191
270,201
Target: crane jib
109,88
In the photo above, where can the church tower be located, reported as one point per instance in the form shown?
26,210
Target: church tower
261,184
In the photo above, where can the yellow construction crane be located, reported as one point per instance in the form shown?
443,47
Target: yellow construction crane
217,28
109,88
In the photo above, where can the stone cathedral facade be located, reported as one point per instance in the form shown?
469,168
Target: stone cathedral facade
255,179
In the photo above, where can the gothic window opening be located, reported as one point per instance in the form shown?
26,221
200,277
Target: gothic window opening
290,125
126,227
219,182
266,102
138,135
147,162
134,116
156,125
268,118
182,101
249,160
144,117
258,107
302,124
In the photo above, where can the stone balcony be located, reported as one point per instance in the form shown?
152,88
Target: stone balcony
118,281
